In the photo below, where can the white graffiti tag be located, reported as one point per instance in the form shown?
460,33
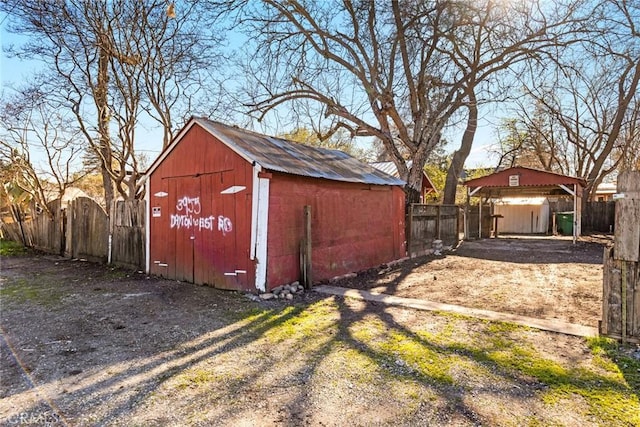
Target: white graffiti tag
224,225
189,217
189,221
191,205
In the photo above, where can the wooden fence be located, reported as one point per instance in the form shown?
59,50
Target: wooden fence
621,276
471,217
599,216
87,230
426,223
596,216
83,230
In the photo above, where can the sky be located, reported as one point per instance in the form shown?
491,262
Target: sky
14,71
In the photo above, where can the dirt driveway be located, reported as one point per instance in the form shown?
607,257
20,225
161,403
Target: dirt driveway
548,278
84,345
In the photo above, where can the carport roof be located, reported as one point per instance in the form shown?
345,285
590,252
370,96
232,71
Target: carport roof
522,180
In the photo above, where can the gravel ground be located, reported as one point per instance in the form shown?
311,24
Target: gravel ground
84,344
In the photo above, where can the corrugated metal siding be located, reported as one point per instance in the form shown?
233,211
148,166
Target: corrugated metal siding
390,169
284,156
527,177
354,227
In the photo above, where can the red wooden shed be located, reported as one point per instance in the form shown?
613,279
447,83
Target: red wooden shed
226,208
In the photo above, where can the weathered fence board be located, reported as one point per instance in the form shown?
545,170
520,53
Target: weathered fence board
472,217
18,232
621,283
48,231
128,233
599,216
621,276
82,229
88,230
627,235
427,223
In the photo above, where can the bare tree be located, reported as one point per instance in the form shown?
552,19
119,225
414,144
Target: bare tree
114,63
629,150
588,98
39,148
398,71
534,141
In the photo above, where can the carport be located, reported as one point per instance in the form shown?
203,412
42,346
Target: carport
527,182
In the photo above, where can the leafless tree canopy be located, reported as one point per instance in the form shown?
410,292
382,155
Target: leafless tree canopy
580,113
30,125
113,62
398,71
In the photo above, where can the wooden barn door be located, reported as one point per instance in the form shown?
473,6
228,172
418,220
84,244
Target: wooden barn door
222,255
184,200
208,240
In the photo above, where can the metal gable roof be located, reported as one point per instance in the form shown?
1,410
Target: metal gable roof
390,169
280,155
527,177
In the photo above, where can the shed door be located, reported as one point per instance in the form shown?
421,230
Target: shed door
184,195
209,236
222,257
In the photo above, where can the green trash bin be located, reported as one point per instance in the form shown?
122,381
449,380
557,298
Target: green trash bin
564,223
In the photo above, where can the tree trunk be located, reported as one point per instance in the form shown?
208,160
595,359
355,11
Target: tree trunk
102,105
460,155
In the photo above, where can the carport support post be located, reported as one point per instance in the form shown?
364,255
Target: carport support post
574,193
575,213
480,219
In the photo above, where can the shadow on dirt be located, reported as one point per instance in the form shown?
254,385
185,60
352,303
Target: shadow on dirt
533,251
110,340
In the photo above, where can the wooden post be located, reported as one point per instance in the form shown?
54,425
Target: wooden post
307,273
438,222
621,275
624,302
410,230
480,219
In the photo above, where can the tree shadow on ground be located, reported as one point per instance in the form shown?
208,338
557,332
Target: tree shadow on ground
233,359
524,251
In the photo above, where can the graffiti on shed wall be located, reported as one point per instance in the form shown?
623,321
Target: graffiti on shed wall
188,216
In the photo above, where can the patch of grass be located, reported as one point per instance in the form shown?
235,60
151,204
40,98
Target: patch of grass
410,355
198,377
315,321
420,356
613,360
11,248
402,364
22,290
609,397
